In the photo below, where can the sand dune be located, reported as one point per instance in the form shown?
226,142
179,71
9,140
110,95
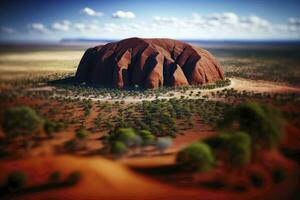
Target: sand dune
104,179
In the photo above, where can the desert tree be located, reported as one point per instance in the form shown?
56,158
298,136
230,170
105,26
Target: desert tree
233,148
73,178
21,121
118,148
238,149
16,180
196,157
51,127
81,133
262,122
147,137
124,135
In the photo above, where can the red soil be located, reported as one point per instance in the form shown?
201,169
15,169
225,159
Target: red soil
104,179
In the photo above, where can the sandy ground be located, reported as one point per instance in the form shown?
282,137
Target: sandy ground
42,56
97,183
17,65
20,69
261,86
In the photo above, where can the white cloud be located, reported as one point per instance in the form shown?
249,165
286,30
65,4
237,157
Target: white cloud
82,27
62,26
294,24
41,28
197,19
255,22
136,25
90,12
79,26
126,29
294,21
227,20
165,20
223,18
123,14
215,25
7,30
226,25
110,27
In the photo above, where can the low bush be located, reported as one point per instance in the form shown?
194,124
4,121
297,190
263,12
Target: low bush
125,135
257,180
197,157
147,137
235,148
119,148
81,133
263,123
15,180
54,177
73,178
21,121
278,175
51,127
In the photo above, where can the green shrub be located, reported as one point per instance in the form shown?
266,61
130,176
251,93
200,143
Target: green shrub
278,175
197,156
238,148
147,137
216,142
119,148
125,135
73,178
262,122
81,133
54,177
74,145
51,127
4,153
234,147
257,180
15,180
21,120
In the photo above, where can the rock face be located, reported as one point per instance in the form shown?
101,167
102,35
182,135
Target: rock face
148,63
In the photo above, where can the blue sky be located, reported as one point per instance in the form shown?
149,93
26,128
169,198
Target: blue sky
52,20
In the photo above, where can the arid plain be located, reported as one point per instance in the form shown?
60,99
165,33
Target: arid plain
73,155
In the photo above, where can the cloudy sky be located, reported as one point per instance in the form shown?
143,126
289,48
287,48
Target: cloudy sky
52,20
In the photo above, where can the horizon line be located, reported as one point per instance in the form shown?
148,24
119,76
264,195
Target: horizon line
86,40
